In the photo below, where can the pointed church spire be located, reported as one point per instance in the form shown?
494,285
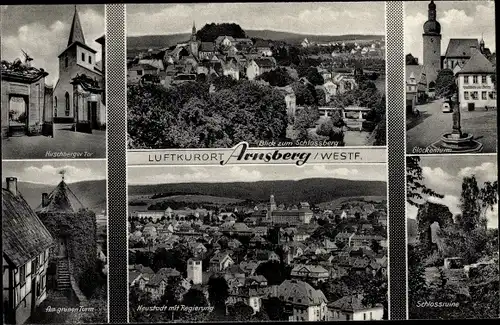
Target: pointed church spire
194,29
76,32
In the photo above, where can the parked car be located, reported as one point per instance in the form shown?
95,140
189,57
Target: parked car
446,107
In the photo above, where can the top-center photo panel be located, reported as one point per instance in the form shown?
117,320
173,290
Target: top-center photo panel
212,75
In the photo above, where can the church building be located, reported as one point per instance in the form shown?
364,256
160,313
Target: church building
78,93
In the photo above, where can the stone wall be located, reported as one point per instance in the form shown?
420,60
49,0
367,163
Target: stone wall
428,213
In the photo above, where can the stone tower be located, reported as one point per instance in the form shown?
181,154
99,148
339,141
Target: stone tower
193,42
194,270
432,46
271,207
481,44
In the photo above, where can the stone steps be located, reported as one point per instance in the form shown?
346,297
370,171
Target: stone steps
63,276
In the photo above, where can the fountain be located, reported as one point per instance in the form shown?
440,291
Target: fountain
456,141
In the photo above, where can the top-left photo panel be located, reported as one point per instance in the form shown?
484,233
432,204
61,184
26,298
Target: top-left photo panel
53,82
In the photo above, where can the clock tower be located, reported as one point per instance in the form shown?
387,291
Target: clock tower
432,47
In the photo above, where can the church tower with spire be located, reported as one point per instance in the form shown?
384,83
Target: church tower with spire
76,59
432,47
193,42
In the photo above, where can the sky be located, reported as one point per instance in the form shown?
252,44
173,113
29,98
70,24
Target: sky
444,175
47,172
304,18
458,19
149,175
43,30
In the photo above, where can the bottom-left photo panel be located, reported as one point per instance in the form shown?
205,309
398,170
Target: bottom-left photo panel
54,236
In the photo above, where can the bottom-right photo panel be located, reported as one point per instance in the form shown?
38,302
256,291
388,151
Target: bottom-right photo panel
452,229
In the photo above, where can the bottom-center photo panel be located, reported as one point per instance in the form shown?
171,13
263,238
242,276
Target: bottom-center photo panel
257,243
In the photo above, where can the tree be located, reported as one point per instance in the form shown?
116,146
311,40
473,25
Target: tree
305,118
240,312
410,60
332,128
415,189
210,32
137,298
194,297
218,291
274,308
375,246
446,86
277,77
380,132
474,202
314,76
275,272
303,94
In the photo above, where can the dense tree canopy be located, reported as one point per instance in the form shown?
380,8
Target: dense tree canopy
210,32
332,128
445,84
278,77
188,116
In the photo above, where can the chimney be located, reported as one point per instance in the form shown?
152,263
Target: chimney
12,185
45,199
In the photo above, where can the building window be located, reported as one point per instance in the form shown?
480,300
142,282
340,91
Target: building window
474,79
83,57
55,102
475,95
493,95
38,289
466,79
66,62
484,95
364,316
139,72
483,80
66,97
371,316
90,59
22,275
466,95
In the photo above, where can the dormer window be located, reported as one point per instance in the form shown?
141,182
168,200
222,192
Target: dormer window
83,57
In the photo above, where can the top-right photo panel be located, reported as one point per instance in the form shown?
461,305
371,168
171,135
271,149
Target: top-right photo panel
450,77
